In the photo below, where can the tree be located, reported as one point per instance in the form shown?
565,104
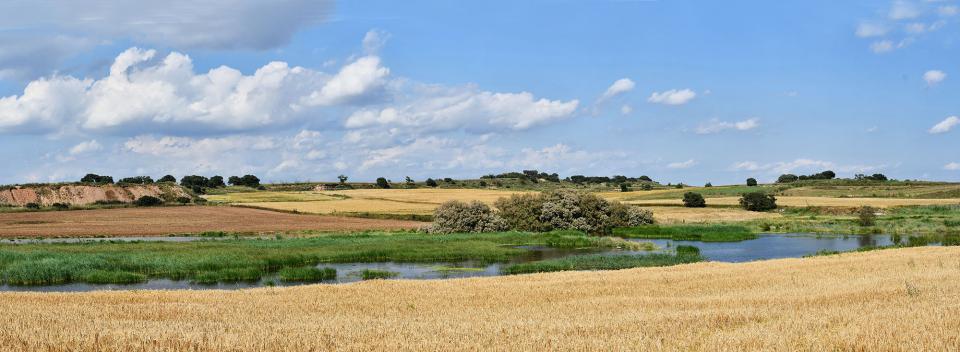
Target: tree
234,180
431,182
168,178
250,181
216,182
787,178
646,187
708,185
139,180
483,183
97,179
409,181
751,182
693,200
645,178
758,201
343,179
194,182
382,183
624,187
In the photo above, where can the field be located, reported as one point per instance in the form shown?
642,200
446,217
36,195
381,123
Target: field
903,299
178,220
791,201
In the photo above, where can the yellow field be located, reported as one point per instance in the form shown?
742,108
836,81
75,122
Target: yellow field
250,197
811,202
905,299
385,201
674,215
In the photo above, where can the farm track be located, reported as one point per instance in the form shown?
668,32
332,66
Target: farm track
180,220
890,300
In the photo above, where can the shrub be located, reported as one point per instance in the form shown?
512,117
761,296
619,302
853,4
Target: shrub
646,187
307,274
183,200
97,179
383,183
751,182
758,201
624,187
139,180
787,178
147,201
168,178
483,183
522,212
194,182
693,200
459,217
866,216
431,182
61,206
32,206
373,274
708,185
247,181
622,215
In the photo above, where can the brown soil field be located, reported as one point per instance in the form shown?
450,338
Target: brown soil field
888,300
179,220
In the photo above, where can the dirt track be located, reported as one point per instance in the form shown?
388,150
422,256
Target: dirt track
173,220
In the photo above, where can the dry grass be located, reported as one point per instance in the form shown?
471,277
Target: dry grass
182,219
889,300
384,201
676,215
812,202
250,197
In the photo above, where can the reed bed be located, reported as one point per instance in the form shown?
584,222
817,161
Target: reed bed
891,300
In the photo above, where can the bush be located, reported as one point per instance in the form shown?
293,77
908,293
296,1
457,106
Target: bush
866,216
693,200
168,178
708,185
97,179
758,201
147,201
787,178
382,183
61,206
32,206
622,215
459,217
646,187
751,182
183,200
139,180
624,187
247,181
194,182
431,182
522,212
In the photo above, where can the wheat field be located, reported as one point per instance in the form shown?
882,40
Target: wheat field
789,201
385,201
890,300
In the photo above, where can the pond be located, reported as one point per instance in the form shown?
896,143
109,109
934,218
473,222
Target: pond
767,246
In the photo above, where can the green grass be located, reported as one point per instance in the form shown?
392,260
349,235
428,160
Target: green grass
307,274
238,259
685,254
372,274
705,233
933,221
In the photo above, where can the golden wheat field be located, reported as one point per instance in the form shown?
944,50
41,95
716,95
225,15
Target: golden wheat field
904,299
386,201
675,214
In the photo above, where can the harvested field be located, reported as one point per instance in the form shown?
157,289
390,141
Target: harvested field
377,201
810,202
183,219
905,299
679,215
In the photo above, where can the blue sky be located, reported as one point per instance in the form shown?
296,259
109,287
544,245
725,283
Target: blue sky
294,90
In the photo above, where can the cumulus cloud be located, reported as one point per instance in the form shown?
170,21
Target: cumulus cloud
881,46
61,29
933,77
435,108
901,10
948,11
357,80
954,166
946,125
86,147
619,87
672,97
682,164
374,40
716,126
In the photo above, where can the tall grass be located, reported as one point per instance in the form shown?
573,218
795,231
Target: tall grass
373,274
705,233
684,254
307,274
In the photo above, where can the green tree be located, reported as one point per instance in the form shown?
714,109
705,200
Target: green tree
343,179
431,182
758,201
751,182
382,183
693,200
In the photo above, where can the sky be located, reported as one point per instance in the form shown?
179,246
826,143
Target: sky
305,90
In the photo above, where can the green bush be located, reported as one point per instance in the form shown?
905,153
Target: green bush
751,182
148,201
372,274
568,210
693,200
183,200
866,216
32,206
758,201
60,206
460,217
382,183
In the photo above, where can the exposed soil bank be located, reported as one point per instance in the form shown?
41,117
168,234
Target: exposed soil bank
87,194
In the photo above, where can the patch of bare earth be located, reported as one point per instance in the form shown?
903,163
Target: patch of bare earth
179,220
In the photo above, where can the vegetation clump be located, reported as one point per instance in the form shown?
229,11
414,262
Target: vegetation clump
373,274
751,182
307,274
569,210
148,201
758,201
683,255
866,216
460,217
704,233
693,200
97,179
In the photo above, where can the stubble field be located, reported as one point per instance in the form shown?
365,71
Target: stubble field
905,299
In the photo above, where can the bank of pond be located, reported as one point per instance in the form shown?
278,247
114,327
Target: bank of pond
228,262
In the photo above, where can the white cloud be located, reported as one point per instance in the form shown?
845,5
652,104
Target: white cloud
901,10
946,125
715,126
672,97
626,109
86,147
356,80
61,29
881,46
621,86
870,29
915,28
954,166
933,77
445,109
374,40
948,11
682,164
186,147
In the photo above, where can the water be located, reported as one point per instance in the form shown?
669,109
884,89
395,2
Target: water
764,247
